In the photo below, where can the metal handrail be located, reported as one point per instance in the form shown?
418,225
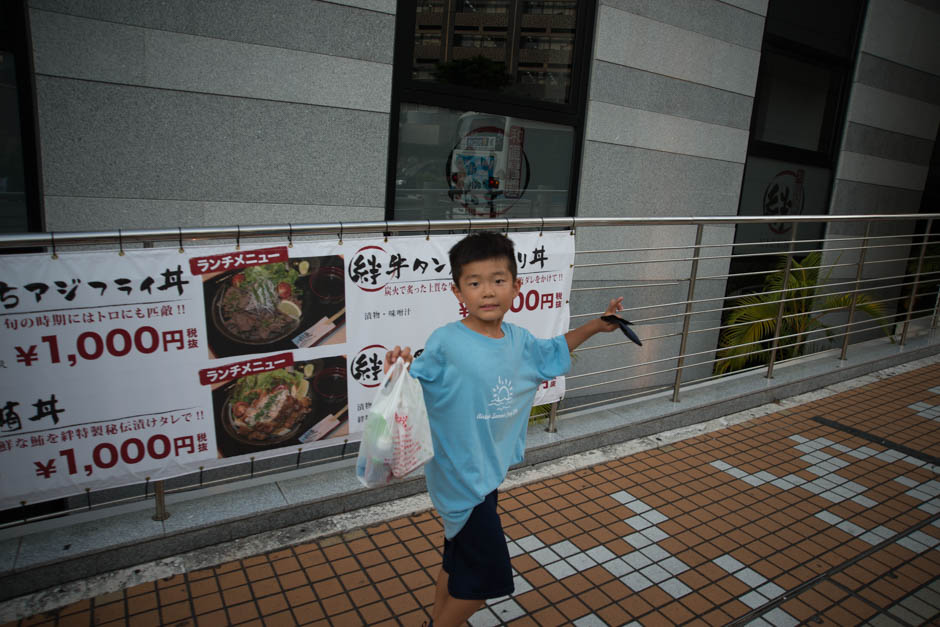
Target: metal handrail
716,359
738,324
69,238
802,241
722,298
912,247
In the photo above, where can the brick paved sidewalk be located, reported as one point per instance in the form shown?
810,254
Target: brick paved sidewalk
825,513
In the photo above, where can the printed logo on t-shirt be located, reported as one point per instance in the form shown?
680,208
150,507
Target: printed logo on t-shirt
501,402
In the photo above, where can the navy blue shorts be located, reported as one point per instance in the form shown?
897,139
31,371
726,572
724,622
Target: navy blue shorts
477,558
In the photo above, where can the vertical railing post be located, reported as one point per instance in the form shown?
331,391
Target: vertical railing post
783,298
693,275
936,310
858,282
920,267
553,419
160,501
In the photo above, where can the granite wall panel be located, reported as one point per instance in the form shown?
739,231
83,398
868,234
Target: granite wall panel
893,112
877,142
638,89
639,42
713,19
114,141
628,181
180,113
900,79
877,171
81,48
904,33
308,25
666,133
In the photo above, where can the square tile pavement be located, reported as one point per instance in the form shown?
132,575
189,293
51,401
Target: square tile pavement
659,556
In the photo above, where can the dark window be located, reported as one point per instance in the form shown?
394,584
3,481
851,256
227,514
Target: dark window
489,97
797,103
804,77
19,188
799,109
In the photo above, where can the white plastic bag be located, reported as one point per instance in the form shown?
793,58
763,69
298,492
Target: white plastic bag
397,435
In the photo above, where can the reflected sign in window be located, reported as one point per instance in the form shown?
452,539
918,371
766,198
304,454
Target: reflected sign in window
454,164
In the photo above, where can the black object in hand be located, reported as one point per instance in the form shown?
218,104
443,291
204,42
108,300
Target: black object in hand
624,326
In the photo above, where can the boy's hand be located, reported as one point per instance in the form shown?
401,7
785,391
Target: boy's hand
392,356
577,337
615,305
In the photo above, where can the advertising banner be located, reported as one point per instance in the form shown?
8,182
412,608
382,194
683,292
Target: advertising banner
401,292
116,369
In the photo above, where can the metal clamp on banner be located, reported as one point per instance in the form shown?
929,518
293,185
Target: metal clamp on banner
180,230
290,235
427,234
386,233
55,255
238,237
120,243
340,235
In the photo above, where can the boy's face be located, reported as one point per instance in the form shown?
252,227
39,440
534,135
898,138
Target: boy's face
487,289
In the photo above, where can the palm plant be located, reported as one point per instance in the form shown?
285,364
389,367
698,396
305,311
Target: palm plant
538,413
927,288
751,324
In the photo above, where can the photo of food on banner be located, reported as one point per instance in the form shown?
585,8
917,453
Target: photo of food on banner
277,306
302,403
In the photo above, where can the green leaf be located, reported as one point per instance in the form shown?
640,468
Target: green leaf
751,324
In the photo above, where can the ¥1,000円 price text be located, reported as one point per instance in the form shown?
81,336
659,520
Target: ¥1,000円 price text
131,451
116,343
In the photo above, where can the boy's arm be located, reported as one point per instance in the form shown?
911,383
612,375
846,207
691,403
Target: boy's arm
577,337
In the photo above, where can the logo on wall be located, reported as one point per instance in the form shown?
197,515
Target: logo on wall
366,366
784,196
373,268
367,268
485,166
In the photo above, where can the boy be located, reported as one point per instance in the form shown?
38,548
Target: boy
479,376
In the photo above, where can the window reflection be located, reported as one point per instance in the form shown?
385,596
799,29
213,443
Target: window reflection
430,7
549,7
515,47
483,6
455,164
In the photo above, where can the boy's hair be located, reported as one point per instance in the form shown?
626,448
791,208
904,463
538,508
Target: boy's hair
481,246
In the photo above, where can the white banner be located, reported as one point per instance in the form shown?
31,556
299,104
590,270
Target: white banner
401,292
118,368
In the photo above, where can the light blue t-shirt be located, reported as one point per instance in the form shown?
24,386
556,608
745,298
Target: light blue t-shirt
478,391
